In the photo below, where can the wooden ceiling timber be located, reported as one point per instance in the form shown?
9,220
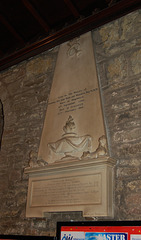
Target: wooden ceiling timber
1,52
36,15
11,29
111,13
72,8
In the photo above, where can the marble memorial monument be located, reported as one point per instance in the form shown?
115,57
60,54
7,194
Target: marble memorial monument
73,170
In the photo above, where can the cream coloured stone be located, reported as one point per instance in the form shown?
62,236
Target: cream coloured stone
85,186
73,171
74,102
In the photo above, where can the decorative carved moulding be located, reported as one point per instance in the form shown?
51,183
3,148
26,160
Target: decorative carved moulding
85,185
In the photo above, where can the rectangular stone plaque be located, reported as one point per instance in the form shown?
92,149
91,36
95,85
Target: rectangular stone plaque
85,186
85,189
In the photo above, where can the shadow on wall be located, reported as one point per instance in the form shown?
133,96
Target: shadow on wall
1,121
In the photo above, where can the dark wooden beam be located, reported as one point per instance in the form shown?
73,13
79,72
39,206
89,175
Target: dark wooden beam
111,13
11,29
72,8
36,15
1,52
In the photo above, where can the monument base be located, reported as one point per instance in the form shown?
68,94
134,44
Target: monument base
81,185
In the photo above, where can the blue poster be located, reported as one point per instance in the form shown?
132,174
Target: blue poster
105,236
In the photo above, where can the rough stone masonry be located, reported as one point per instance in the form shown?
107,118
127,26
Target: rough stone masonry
24,91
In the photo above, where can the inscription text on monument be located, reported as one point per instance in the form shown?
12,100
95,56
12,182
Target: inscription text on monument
84,189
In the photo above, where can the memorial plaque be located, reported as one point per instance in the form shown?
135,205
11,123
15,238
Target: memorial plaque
85,186
73,171
85,189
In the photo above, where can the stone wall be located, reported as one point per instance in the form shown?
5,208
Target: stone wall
24,91
118,56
